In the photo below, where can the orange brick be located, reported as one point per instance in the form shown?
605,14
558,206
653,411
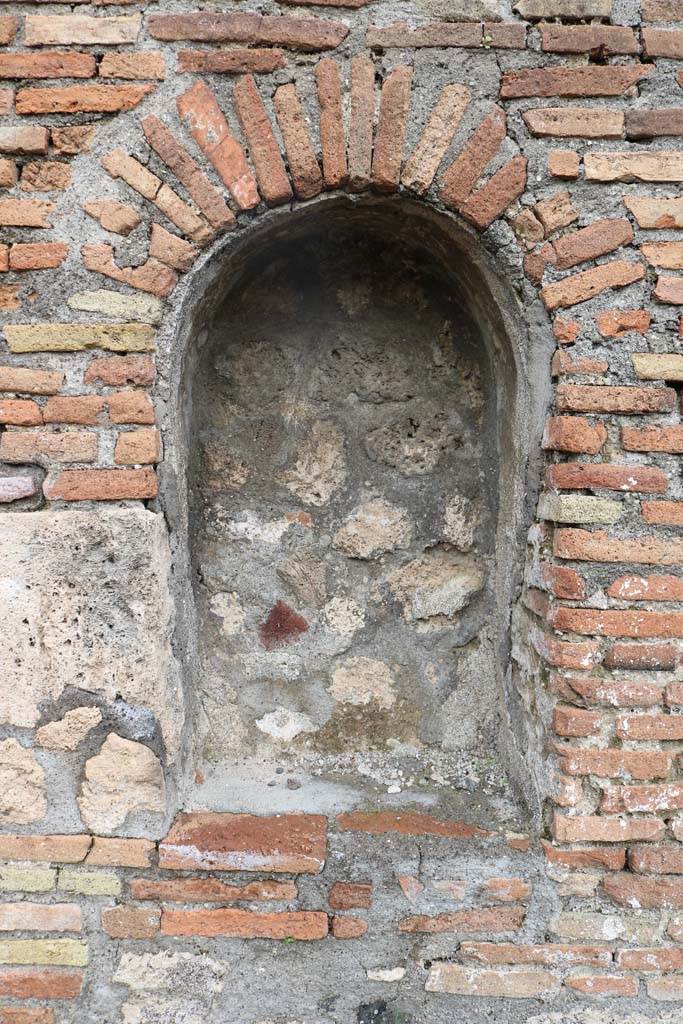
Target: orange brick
65,29
24,1015
462,175
25,213
656,860
655,657
113,216
663,42
37,255
307,34
102,485
45,176
614,323
25,140
567,81
610,622
599,546
669,290
588,243
237,60
141,64
605,985
577,722
118,370
83,409
172,250
130,407
351,896
595,829
609,690
666,796
408,823
650,727
122,853
40,917
73,138
48,64
507,890
650,893
565,331
303,165
361,122
348,927
332,141
564,163
131,922
506,185
211,890
608,39
263,148
624,400
138,447
612,764
551,953
248,924
662,513
646,588
74,446
68,849
650,959
588,858
653,439
565,655
494,920
563,365
152,276
8,176
8,27
393,115
575,122
75,99
588,283
574,434
40,983
608,476
562,581
20,412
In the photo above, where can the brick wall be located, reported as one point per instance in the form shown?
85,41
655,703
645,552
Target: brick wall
135,142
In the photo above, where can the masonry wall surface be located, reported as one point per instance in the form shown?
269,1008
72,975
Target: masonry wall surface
507,845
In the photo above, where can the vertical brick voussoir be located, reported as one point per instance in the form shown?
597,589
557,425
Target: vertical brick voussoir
361,126
263,148
437,136
506,185
303,165
199,109
462,175
205,194
332,141
391,129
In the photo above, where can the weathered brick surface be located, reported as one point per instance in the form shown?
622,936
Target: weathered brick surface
264,150
72,99
361,122
609,399
608,39
48,64
494,921
408,823
393,116
461,176
438,133
588,283
248,61
119,370
506,185
248,924
332,140
40,983
296,33
131,922
581,122
102,485
579,475
303,165
564,81
211,890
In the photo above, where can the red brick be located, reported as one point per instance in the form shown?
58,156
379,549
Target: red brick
588,243
393,115
599,546
152,276
646,588
552,953
662,513
662,42
595,829
408,823
25,140
141,64
45,176
73,138
198,108
245,842
24,213
605,985
40,983
211,890
437,135
563,163
20,412
650,959
614,323
8,177
113,216
351,896
307,34
648,893
653,439
574,434
656,860
37,255
247,924
263,148
669,290
237,61
76,99
48,64
20,380
24,1015
588,283
588,857
577,722
667,796
462,175
8,28
608,39
575,122
131,922
348,927
172,250
102,485
563,365
650,124
493,920
610,622
507,890
624,400
657,657
69,849
138,447
332,142
303,164
650,727
401,35
611,691
565,81
506,185
118,370
188,172
122,853
74,446
607,476
563,582
565,655
613,764
565,331
361,122
83,409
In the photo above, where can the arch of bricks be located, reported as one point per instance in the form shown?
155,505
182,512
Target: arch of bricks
131,141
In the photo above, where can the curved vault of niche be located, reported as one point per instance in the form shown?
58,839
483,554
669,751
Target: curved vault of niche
354,509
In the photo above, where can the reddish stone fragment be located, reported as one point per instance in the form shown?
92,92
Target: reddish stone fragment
245,842
351,896
283,626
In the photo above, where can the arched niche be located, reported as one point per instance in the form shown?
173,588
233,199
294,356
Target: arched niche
355,426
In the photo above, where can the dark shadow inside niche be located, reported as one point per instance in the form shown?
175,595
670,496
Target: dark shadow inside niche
351,516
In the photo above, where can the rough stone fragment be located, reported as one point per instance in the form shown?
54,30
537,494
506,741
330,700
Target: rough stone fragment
243,842
439,583
320,468
285,725
362,681
70,731
22,784
73,138
120,645
125,777
570,9
372,529
14,488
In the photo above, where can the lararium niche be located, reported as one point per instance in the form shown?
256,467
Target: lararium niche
356,474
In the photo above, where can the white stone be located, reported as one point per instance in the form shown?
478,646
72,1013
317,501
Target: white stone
387,974
106,302
461,518
285,725
228,608
70,731
320,467
372,529
344,615
159,972
362,681
123,778
22,785
86,602
437,584
13,488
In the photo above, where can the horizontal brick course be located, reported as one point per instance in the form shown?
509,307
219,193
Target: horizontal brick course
248,924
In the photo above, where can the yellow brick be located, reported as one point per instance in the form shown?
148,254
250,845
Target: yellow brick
17,879
57,952
77,337
658,365
90,883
